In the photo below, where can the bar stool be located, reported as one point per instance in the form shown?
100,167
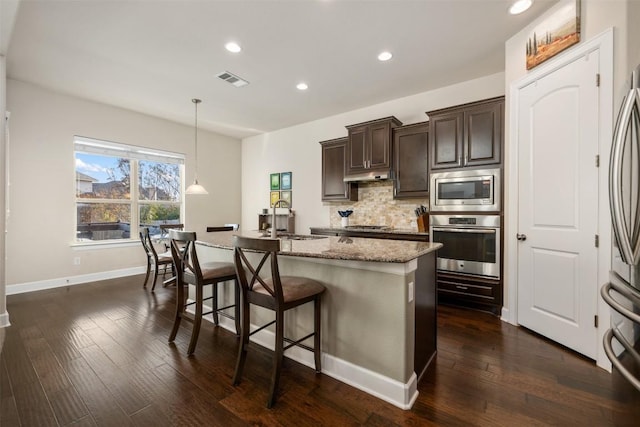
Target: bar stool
164,233
153,258
189,271
277,293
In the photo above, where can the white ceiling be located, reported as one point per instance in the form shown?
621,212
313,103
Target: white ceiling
154,56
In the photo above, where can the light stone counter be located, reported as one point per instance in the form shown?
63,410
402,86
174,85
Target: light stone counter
331,247
378,312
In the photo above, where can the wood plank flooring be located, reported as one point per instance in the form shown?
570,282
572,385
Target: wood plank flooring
97,354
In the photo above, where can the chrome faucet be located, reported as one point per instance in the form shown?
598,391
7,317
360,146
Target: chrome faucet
274,230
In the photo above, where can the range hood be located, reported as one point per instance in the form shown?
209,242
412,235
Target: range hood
368,176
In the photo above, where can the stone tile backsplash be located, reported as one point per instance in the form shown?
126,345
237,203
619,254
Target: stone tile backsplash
376,206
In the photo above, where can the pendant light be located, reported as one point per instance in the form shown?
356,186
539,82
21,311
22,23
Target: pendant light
196,188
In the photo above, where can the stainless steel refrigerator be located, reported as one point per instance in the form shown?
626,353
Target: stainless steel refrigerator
622,293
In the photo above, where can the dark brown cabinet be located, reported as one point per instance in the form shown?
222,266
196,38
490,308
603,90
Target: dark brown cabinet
410,161
467,135
470,291
333,170
369,145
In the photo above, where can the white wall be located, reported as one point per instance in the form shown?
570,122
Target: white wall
41,188
296,149
4,317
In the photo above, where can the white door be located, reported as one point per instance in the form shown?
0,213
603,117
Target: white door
558,205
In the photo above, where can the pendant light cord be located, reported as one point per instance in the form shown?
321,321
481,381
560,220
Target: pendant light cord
196,102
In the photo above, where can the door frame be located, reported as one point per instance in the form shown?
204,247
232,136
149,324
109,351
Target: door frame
604,44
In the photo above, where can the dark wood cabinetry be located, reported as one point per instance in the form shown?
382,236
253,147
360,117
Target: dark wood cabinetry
333,171
410,161
369,145
345,232
471,291
467,135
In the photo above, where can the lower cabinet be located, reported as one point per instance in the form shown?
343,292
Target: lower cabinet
470,291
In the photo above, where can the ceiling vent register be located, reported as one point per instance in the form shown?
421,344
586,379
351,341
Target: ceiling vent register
232,79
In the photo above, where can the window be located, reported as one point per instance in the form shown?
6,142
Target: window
120,188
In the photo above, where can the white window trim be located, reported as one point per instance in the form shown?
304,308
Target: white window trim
108,148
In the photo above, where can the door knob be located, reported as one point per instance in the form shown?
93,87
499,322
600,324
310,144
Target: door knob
521,237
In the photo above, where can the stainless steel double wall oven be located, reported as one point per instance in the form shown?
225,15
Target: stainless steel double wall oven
465,218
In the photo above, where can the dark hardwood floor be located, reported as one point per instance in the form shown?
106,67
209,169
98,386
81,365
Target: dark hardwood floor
97,354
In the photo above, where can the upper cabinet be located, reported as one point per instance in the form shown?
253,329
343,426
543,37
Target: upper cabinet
467,135
333,170
410,161
369,145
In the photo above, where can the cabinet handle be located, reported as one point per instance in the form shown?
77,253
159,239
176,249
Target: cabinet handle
466,159
459,160
464,288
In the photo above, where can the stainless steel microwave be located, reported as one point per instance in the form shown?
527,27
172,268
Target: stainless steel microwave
465,190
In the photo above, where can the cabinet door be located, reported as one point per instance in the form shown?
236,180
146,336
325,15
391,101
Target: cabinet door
357,150
410,158
333,171
483,134
445,138
379,145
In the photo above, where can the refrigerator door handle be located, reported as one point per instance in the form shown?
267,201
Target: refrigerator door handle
628,243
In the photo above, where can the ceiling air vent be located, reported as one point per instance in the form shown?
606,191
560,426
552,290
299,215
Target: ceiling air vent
232,78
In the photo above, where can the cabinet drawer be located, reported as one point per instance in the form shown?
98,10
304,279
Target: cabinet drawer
483,291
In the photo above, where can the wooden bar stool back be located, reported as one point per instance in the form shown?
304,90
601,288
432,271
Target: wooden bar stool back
277,293
154,260
189,271
164,234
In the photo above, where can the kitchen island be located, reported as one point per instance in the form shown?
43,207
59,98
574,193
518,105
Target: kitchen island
378,313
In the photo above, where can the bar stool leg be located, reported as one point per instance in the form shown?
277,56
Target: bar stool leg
155,275
214,302
196,321
316,337
180,301
244,343
236,297
277,358
146,277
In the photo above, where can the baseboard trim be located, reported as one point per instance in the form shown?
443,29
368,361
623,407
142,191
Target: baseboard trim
392,391
72,280
505,316
4,320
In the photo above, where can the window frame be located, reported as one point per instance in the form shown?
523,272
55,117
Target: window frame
134,154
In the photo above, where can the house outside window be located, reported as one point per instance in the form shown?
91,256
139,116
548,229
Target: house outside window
120,188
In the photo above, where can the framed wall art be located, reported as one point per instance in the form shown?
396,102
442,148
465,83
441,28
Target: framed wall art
275,181
274,196
286,195
554,34
285,181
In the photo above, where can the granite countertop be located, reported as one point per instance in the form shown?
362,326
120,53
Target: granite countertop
332,247
386,230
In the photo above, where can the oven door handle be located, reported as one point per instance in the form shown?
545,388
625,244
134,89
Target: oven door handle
466,230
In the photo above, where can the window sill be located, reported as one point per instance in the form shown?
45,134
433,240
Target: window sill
111,244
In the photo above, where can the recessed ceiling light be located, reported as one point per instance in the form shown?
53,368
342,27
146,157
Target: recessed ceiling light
385,56
233,47
520,6
302,86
